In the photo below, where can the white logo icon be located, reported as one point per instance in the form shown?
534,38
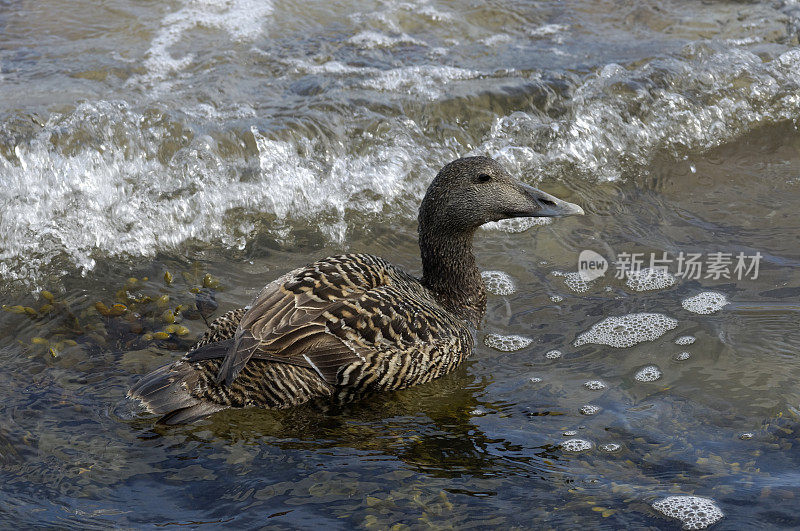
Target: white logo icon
591,265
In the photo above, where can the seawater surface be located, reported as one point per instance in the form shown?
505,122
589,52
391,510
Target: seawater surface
173,157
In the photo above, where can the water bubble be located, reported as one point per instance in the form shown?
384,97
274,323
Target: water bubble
477,412
627,330
498,282
553,354
594,385
682,356
535,379
685,340
693,512
651,373
516,224
574,281
506,343
590,409
576,445
556,298
746,436
570,433
705,302
649,278
610,447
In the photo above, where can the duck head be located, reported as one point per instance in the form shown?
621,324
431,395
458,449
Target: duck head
464,195
472,191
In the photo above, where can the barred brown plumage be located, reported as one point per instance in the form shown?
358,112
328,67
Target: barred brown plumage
353,324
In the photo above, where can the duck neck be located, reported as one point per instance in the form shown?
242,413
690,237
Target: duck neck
450,272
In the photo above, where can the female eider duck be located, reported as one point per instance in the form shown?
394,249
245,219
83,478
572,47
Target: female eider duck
354,324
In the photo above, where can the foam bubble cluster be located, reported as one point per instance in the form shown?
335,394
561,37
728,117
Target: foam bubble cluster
535,379
570,433
594,385
590,409
576,445
610,447
516,224
682,356
556,298
553,354
506,343
627,330
574,281
705,302
651,373
693,512
685,340
498,282
649,278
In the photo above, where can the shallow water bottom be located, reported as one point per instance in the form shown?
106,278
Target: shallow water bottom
478,448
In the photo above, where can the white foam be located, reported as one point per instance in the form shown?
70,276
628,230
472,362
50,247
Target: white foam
606,137
374,39
556,298
535,379
693,512
574,281
705,303
576,445
498,282
651,373
590,409
648,279
428,81
96,200
570,433
746,436
682,356
685,340
594,385
243,20
514,225
506,343
547,30
627,330
610,447
553,354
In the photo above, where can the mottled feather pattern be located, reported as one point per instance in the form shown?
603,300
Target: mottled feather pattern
341,327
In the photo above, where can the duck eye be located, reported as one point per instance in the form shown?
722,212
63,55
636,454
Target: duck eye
484,178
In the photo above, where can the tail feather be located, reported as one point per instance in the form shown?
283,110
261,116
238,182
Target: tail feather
167,390
190,414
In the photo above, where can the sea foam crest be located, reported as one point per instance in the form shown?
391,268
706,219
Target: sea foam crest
608,137
243,20
627,330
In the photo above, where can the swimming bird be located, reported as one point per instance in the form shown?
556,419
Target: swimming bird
350,325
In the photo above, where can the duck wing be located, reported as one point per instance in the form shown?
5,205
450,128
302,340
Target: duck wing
310,317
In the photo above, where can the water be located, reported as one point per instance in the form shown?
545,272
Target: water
244,138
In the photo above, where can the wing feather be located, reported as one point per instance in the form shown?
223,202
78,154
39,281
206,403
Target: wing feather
333,313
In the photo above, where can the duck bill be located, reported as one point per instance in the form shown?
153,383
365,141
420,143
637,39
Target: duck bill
545,205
